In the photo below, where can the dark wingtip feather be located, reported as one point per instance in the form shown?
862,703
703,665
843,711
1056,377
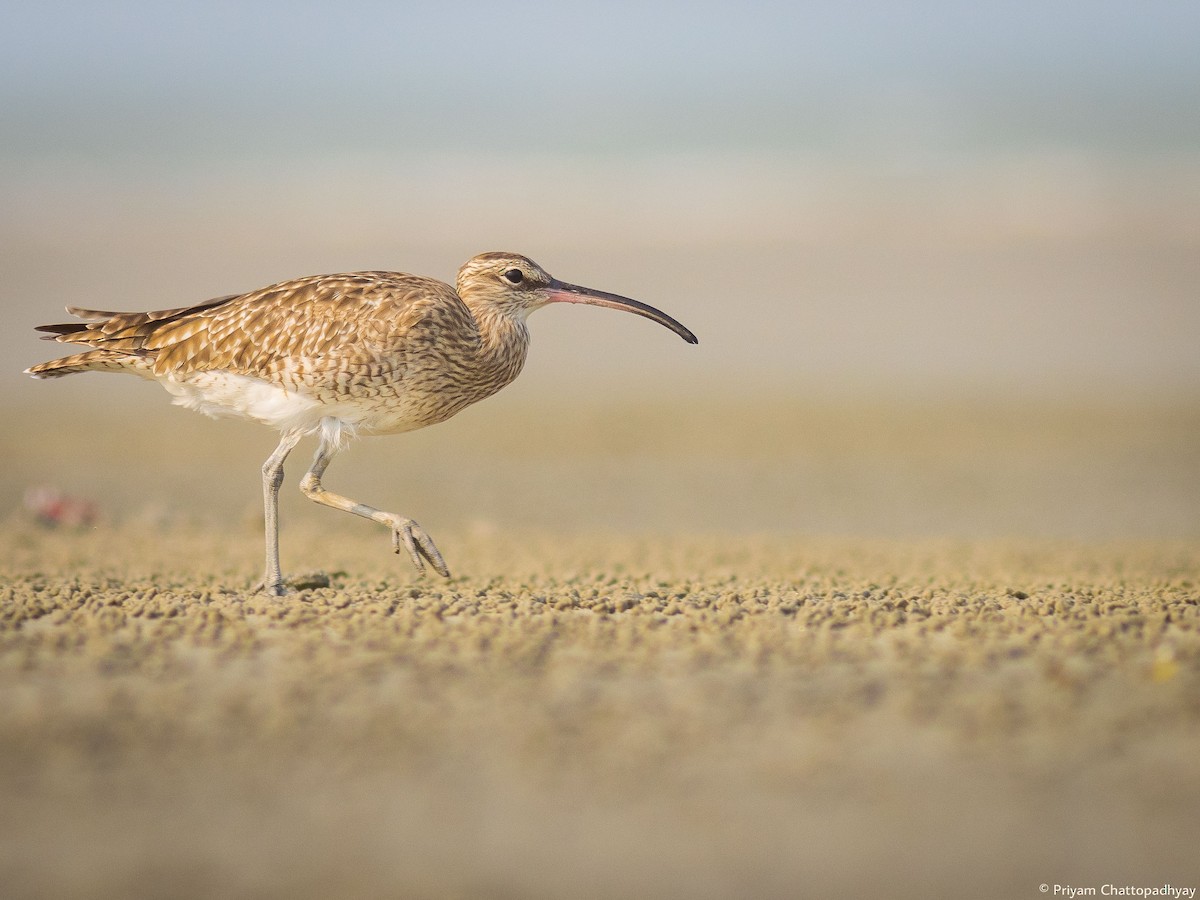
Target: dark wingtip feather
64,328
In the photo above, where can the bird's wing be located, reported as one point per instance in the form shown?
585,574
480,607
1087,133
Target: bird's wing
357,318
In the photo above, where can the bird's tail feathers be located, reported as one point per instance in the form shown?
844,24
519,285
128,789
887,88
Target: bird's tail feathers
91,361
93,314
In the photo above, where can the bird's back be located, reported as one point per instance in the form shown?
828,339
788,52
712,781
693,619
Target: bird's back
360,344
311,325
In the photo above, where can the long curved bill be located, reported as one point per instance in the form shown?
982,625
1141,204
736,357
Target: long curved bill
562,292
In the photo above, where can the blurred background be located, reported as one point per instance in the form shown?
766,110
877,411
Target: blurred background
943,258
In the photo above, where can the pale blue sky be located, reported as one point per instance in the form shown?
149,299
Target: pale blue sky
134,81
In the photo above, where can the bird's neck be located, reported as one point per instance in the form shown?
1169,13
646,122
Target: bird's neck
503,345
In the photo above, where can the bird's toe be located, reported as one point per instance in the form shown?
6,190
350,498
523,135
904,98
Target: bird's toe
271,589
410,536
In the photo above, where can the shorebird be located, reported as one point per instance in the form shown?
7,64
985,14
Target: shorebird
337,356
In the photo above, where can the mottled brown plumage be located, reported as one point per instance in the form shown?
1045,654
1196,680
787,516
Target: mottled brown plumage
338,355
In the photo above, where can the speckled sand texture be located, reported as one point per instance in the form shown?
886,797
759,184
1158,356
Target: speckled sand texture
584,713
613,718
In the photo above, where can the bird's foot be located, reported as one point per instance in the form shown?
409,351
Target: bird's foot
271,589
408,535
303,582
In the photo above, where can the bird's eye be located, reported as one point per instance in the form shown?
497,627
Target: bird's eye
514,276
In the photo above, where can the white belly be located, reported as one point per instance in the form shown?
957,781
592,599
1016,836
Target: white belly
225,395
228,395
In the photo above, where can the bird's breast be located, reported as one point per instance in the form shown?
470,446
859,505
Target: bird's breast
444,375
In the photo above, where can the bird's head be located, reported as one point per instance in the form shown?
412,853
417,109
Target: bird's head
515,285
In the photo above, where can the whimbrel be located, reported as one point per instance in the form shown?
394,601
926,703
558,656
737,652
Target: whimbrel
337,356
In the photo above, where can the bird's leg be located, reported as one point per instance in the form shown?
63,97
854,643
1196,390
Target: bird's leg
272,478
405,532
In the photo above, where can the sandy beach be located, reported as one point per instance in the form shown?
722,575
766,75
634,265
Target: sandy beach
625,689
